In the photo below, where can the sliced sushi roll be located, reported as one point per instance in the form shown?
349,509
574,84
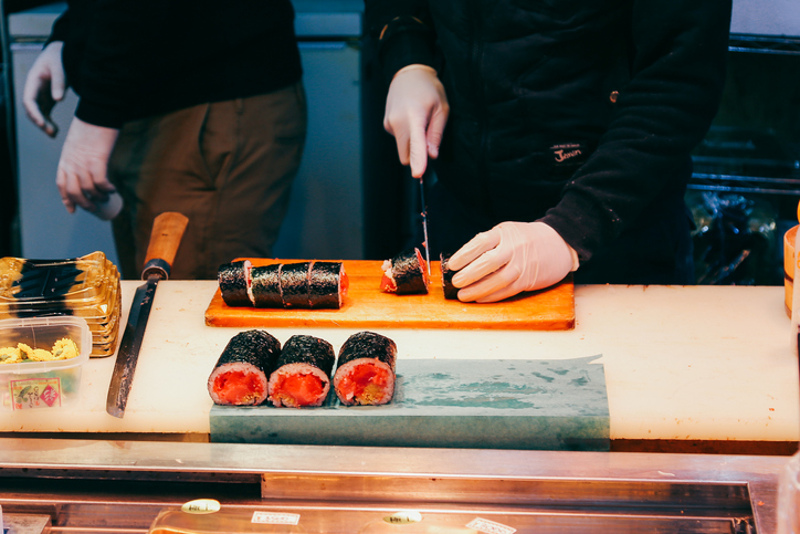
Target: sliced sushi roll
234,283
327,284
241,374
302,374
365,372
266,286
450,291
405,274
294,285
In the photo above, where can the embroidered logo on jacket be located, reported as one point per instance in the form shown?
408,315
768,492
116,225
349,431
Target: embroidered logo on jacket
566,153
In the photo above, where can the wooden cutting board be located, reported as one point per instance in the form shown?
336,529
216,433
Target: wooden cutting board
366,306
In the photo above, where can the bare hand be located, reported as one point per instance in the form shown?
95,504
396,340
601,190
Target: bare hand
82,170
44,87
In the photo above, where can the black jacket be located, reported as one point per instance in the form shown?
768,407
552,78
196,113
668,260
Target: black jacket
580,113
129,59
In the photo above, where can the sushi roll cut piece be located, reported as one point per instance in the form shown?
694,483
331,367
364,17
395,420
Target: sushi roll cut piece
241,374
302,374
405,274
450,291
234,283
365,372
327,284
266,286
294,285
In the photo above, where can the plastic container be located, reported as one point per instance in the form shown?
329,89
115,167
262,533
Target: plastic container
42,384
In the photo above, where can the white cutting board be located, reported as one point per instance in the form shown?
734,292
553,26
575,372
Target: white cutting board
680,362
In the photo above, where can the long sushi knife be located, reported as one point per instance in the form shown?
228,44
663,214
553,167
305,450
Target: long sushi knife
165,238
424,214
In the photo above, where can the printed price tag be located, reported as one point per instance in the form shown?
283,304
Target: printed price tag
403,518
490,527
275,518
201,506
30,393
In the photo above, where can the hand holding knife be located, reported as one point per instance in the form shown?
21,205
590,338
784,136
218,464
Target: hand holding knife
165,238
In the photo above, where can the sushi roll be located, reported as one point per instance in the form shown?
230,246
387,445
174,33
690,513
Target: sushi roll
365,372
302,374
234,283
450,291
405,274
327,284
294,285
241,374
266,286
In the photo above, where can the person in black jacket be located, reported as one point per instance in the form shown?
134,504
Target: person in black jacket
196,107
560,132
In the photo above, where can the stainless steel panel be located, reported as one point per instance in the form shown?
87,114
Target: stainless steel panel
336,489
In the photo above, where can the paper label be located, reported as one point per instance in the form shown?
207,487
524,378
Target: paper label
30,393
275,518
201,506
403,518
490,527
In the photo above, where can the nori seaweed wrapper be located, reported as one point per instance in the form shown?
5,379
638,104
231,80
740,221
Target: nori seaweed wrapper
294,285
324,284
368,345
450,291
407,273
255,347
233,284
266,286
310,350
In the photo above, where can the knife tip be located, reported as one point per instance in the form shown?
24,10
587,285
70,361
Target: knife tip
115,411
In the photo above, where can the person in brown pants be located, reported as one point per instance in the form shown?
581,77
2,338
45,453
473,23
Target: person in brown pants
198,109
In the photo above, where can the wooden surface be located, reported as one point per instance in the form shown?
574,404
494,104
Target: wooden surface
366,306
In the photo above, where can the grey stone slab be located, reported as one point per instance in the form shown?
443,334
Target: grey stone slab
499,404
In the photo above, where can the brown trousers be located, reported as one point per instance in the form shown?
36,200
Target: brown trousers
228,166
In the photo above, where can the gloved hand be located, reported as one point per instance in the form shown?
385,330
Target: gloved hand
416,114
510,258
44,87
81,176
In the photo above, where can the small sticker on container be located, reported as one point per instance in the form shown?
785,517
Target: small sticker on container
403,518
201,506
490,527
275,518
28,393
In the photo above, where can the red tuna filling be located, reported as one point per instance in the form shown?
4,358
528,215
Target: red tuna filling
344,284
298,389
238,387
366,383
424,266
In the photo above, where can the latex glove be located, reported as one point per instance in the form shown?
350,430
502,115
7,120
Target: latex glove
510,258
44,87
82,170
416,114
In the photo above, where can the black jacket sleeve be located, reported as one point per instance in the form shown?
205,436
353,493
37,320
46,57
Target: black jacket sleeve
403,31
678,60
120,47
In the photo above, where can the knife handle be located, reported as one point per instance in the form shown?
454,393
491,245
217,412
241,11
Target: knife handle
165,239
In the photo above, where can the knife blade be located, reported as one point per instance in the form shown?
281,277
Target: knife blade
424,215
165,238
